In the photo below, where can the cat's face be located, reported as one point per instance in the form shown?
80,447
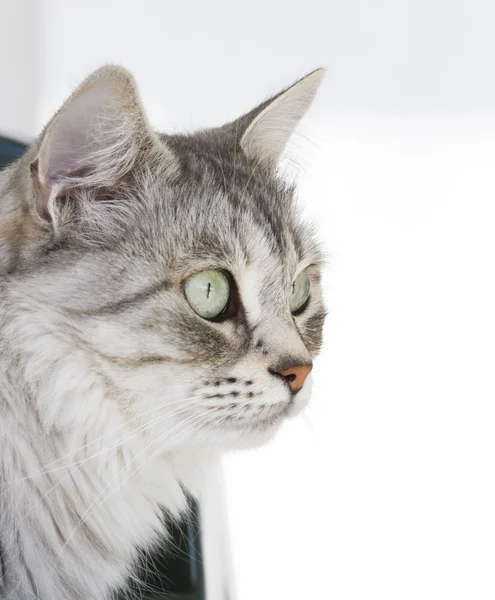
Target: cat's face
213,376
195,291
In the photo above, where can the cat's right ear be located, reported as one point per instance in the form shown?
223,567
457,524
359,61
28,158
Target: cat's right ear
266,130
93,140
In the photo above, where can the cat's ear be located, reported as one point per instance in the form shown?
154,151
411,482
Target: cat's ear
93,139
269,127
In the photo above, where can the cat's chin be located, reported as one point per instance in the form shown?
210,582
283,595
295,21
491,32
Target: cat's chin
249,437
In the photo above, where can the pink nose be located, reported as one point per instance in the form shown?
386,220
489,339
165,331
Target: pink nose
296,376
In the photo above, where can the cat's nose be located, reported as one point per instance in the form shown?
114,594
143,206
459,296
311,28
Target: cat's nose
296,376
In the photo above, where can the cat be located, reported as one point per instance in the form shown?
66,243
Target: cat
160,302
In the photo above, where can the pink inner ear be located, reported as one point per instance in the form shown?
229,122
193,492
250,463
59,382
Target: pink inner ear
81,133
74,142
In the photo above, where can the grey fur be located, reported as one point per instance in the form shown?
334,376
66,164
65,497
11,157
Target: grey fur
114,394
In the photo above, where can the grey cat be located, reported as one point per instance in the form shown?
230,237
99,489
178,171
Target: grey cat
160,302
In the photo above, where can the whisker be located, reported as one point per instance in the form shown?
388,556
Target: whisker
309,424
74,466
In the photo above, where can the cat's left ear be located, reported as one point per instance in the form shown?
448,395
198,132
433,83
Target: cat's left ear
93,140
268,127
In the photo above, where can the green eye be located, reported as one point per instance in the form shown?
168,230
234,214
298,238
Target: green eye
299,291
208,293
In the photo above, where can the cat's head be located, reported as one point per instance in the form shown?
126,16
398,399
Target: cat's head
177,265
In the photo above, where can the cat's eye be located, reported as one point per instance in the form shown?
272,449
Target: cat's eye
208,293
299,292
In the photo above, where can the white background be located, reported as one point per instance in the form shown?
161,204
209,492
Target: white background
386,490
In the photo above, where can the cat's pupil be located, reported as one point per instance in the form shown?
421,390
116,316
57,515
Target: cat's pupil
208,290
